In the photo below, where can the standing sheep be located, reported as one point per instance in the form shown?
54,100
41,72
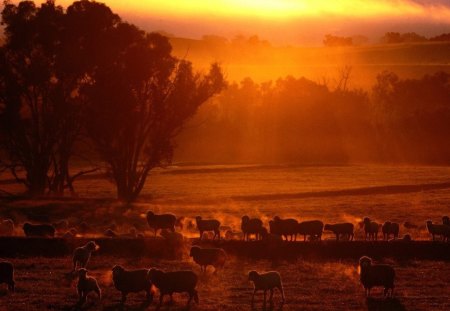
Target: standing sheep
205,257
389,228
251,226
7,275
204,225
439,230
266,281
371,229
284,227
313,228
81,255
342,229
86,285
376,275
132,281
163,221
43,230
174,282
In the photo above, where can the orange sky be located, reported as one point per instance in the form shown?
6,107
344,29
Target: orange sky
285,21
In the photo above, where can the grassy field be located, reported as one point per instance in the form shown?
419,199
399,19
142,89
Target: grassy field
43,284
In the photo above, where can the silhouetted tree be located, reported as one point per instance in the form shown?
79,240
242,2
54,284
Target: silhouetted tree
139,102
331,40
47,56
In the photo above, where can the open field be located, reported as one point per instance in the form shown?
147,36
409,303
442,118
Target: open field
331,194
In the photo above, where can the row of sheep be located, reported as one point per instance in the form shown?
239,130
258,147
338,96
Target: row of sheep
288,228
185,281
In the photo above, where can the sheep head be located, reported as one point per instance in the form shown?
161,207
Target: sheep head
366,220
276,218
245,219
365,262
150,214
92,246
117,270
82,273
253,275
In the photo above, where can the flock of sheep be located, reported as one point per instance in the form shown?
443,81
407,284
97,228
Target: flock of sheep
141,280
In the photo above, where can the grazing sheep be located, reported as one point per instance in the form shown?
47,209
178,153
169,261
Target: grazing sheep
43,230
446,220
204,225
7,275
342,229
174,282
266,281
233,235
205,257
7,227
132,281
439,230
376,275
389,228
110,233
251,226
82,254
371,229
313,228
284,227
85,285
163,221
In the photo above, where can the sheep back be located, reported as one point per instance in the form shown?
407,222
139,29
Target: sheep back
311,227
163,221
173,282
131,281
42,230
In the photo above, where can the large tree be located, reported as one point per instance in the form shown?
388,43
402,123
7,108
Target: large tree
139,102
47,56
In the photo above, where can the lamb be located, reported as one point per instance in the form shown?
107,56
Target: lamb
439,230
376,275
251,226
43,230
266,281
82,254
163,221
342,229
205,257
284,227
174,282
86,285
7,227
371,229
208,225
7,275
132,281
389,228
313,228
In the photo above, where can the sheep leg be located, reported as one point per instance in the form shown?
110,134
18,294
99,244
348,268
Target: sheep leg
201,234
265,294
148,295
280,288
98,292
352,235
271,296
253,296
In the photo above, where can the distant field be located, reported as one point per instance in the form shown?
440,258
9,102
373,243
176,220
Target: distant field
321,64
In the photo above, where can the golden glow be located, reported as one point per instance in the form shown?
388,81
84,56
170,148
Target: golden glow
284,9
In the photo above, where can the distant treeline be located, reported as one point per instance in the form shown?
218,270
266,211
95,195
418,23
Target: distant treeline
388,38
302,121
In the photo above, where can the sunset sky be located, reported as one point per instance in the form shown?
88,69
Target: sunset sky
286,21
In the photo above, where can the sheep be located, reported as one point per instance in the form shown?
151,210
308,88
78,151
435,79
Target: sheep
172,237
284,227
439,230
389,228
132,281
7,227
405,238
85,285
233,235
251,226
371,229
7,275
270,238
174,282
205,257
43,230
313,228
163,221
208,225
376,275
81,255
344,229
266,281
446,220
